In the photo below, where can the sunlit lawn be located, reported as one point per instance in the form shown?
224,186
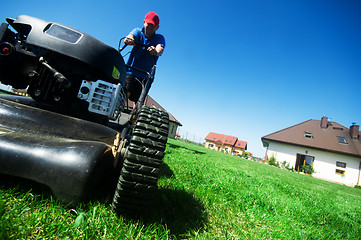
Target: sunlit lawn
203,194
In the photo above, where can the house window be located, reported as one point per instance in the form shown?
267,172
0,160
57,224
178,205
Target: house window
341,164
308,135
340,172
342,140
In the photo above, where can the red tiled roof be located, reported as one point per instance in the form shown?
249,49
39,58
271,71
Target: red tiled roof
318,138
222,139
241,144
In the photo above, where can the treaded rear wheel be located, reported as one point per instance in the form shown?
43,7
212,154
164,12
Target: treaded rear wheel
142,161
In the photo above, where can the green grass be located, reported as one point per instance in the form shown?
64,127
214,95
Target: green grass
203,194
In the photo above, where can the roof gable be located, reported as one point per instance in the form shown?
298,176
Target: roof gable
310,134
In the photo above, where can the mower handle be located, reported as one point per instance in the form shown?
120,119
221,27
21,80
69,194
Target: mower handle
139,44
149,78
125,45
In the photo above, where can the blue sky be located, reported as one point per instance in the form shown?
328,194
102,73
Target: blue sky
244,68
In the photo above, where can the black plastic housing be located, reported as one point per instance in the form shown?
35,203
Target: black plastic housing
71,43
70,156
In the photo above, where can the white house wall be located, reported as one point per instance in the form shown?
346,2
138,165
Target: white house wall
324,163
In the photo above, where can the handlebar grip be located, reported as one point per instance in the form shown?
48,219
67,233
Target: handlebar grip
136,43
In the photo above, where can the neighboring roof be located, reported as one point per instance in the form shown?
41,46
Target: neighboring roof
222,139
150,102
241,144
318,138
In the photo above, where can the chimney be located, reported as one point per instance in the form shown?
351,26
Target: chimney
324,122
354,130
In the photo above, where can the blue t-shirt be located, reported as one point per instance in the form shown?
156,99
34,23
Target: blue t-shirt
140,57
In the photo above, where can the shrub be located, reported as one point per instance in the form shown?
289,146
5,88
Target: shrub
272,161
286,165
308,169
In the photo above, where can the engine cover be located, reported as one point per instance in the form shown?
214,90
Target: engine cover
72,43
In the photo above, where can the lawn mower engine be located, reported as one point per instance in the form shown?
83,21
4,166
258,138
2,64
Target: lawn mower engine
63,68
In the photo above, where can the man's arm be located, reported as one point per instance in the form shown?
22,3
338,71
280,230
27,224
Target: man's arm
157,50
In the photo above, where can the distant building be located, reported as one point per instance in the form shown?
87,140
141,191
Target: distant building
173,123
10,90
6,88
225,143
333,150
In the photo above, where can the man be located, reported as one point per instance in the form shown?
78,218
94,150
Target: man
143,57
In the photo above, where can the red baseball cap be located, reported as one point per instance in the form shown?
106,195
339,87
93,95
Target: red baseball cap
152,18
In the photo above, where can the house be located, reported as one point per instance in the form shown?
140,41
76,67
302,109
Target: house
173,123
333,150
224,143
6,88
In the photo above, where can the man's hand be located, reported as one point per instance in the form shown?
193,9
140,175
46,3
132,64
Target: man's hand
156,51
129,40
152,51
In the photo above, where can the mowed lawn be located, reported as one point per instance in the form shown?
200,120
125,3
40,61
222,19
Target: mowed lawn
203,194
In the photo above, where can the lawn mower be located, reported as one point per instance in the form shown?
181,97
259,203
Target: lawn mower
75,132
